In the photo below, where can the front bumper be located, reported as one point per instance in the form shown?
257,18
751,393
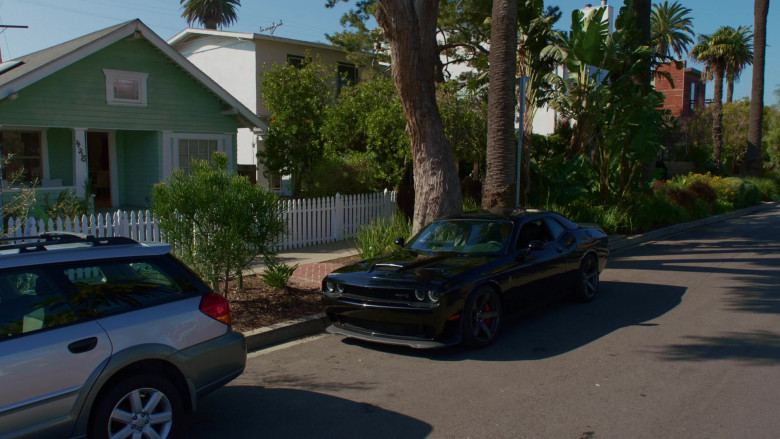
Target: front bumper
393,324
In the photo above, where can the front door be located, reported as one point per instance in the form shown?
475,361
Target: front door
99,168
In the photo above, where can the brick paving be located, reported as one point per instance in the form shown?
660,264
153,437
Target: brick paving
312,274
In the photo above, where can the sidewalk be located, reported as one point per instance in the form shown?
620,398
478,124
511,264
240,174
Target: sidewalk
312,261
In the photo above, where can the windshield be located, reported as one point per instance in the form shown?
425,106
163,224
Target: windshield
464,236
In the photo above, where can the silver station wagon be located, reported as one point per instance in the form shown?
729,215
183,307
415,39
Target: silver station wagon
106,337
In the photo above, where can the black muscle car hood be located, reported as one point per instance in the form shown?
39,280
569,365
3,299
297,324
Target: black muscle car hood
410,266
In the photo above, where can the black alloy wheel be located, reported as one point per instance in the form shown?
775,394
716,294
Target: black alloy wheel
588,282
481,317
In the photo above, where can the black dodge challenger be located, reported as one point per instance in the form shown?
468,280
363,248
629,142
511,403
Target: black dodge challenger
451,282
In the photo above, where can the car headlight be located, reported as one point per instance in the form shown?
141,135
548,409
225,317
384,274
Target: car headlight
330,286
433,296
419,295
340,288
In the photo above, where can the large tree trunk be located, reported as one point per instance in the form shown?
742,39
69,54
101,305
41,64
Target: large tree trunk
499,189
753,165
410,27
729,91
717,119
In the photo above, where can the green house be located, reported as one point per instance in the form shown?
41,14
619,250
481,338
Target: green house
112,113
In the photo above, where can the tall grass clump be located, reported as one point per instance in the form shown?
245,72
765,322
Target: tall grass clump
377,238
769,188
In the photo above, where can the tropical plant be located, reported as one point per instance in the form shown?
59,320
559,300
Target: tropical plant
212,14
740,56
535,24
298,98
753,157
378,238
671,29
618,121
277,275
217,221
714,51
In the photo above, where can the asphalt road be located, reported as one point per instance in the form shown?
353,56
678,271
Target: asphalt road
682,342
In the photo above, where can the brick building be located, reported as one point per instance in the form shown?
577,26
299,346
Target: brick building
687,93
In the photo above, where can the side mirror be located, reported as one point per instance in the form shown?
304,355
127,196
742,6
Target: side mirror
399,242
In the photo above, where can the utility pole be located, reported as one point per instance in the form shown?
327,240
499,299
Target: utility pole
10,26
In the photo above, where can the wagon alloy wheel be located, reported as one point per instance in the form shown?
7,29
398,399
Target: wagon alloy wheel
138,407
589,279
482,317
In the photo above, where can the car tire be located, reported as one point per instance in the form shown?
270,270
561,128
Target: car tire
141,403
588,279
481,317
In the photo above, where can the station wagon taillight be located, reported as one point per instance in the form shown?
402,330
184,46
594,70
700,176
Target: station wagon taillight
216,307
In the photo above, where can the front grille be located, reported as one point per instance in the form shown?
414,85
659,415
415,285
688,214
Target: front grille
385,294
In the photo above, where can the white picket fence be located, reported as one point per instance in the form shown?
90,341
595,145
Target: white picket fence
309,221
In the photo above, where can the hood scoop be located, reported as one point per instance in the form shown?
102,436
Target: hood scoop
387,266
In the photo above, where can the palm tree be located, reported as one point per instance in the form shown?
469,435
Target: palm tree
741,55
753,156
212,14
715,51
499,186
671,29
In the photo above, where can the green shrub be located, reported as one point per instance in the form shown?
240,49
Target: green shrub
67,205
278,275
769,188
378,237
471,204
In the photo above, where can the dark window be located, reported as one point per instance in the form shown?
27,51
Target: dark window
556,230
295,60
348,75
99,288
25,148
31,301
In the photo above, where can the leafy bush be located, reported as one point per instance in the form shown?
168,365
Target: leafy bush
278,275
67,205
217,221
471,204
377,238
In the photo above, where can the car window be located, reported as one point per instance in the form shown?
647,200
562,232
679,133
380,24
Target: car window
31,301
556,229
464,236
535,230
100,288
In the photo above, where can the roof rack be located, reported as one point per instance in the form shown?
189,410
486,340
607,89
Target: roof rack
40,242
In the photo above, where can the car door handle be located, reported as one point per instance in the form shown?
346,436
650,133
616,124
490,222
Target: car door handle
81,346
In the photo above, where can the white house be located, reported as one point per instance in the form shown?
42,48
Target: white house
235,59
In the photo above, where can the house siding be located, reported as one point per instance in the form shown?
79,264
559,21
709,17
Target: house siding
59,141
76,96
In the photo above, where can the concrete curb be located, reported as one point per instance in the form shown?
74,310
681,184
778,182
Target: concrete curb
285,331
315,324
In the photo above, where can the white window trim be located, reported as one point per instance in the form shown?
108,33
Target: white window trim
112,75
171,148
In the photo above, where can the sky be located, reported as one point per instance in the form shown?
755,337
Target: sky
51,22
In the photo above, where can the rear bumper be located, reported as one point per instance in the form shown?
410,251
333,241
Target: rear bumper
214,363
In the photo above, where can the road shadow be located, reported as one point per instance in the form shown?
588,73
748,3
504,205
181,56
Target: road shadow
237,412
757,348
562,327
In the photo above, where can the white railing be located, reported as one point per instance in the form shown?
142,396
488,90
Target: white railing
309,221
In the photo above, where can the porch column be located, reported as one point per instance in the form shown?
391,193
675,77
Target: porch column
80,167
